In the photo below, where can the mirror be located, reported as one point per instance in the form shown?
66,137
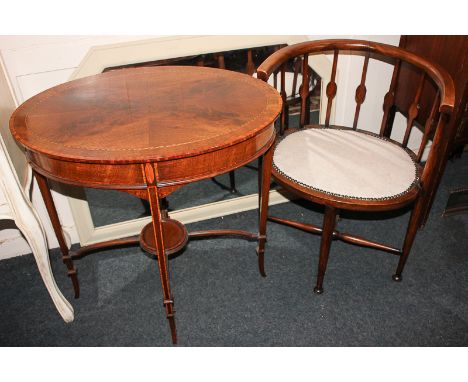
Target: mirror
111,207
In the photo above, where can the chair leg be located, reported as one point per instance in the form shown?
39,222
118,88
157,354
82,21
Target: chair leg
416,215
329,222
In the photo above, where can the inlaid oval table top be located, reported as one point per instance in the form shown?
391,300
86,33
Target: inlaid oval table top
145,114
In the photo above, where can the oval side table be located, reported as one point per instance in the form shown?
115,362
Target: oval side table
147,132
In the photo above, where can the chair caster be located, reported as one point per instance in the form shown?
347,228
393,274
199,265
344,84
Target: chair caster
318,290
397,278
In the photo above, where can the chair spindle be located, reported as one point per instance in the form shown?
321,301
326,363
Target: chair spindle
413,110
304,91
331,88
389,103
361,91
428,126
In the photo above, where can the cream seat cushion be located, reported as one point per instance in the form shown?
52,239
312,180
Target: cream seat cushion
345,163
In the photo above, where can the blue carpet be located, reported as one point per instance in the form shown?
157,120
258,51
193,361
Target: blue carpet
221,300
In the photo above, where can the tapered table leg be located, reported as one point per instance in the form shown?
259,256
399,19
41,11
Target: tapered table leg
54,218
153,197
264,179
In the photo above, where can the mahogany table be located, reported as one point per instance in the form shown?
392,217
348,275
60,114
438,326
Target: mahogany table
147,132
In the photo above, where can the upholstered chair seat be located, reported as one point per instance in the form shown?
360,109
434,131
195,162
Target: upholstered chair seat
345,163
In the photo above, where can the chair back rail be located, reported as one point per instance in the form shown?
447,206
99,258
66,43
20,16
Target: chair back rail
438,75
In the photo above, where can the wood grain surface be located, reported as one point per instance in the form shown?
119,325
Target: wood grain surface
145,114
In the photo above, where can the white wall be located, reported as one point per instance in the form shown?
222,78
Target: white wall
35,63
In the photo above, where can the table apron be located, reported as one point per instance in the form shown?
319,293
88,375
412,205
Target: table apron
187,170
172,174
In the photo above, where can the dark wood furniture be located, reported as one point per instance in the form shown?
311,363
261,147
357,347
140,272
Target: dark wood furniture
457,202
148,132
425,175
451,53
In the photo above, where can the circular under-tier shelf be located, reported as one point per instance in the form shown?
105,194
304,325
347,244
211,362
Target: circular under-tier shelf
174,233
